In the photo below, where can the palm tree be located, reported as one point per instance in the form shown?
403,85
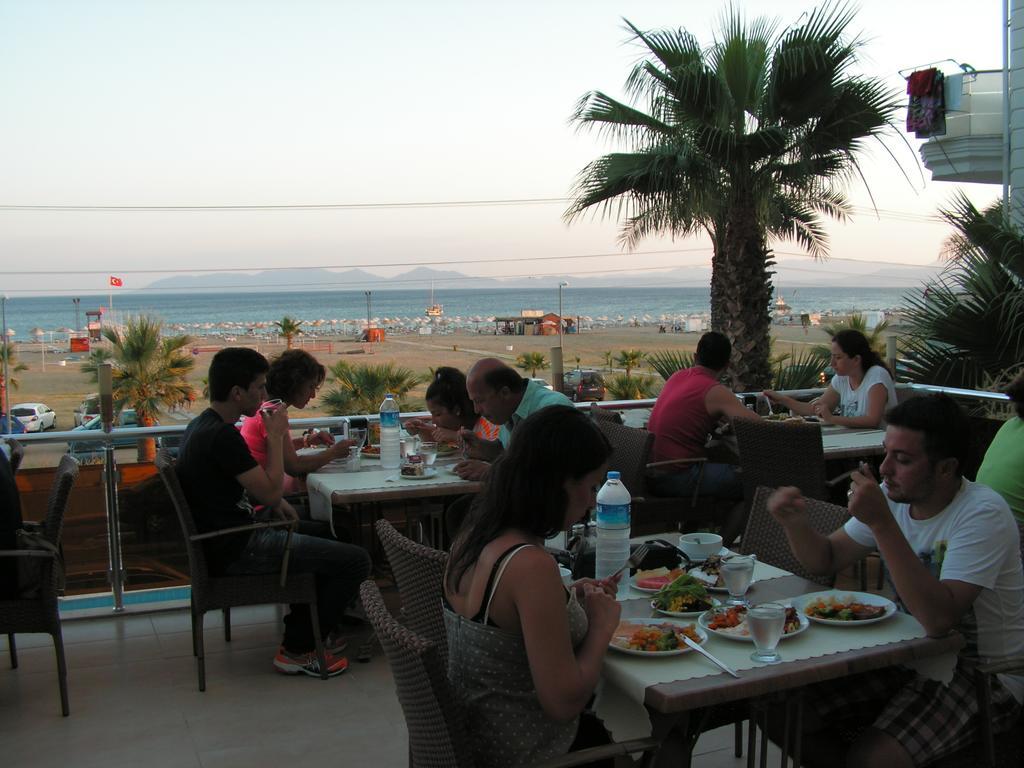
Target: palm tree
96,358
288,327
150,372
630,359
800,370
668,361
361,388
532,362
608,358
622,387
8,354
967,329
749,139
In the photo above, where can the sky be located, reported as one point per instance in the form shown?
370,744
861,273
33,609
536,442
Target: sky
410,114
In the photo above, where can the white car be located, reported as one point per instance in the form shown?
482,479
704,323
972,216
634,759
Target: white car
35,417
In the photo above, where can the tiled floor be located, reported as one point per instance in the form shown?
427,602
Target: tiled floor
134,702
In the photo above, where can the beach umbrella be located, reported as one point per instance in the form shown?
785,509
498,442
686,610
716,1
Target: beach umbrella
38,332
10,332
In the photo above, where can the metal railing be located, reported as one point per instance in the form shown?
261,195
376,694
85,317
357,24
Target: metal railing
105,440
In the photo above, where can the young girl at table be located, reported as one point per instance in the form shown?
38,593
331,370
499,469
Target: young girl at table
450,410
525,653
862,387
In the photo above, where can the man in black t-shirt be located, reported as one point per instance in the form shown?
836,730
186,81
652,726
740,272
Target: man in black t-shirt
222,480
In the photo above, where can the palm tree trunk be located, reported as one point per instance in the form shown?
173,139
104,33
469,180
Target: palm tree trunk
741,293
147,445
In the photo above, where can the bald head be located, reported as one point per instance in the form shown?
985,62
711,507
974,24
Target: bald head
495,389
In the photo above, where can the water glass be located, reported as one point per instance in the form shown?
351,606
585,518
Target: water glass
358,437
766,623
428,450
737,573
270,406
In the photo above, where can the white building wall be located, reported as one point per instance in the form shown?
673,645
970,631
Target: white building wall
1017,110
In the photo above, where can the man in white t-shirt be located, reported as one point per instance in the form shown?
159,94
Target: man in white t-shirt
952,551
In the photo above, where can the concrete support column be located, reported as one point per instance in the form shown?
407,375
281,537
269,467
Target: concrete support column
1016,116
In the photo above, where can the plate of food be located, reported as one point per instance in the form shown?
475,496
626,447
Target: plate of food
654,580
447,449
370,451
709,572
839,608
655,637
731,623
686,597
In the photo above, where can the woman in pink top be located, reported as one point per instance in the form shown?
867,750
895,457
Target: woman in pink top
294,377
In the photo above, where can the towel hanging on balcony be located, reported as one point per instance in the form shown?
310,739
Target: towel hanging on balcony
926,113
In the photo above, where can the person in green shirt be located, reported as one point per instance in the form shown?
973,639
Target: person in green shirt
1002,469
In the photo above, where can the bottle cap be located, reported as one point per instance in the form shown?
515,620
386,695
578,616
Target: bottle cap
613,475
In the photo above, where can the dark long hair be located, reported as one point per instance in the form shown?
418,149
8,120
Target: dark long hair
524,489
448,389
855,343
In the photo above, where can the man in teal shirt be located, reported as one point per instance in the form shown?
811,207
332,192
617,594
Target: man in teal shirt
503,397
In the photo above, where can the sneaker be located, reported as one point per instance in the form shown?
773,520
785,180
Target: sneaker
335,644
295,663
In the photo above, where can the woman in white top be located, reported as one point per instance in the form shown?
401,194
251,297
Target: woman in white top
862,387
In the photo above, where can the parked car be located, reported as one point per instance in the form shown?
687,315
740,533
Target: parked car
88,408
36,417
89,452
581,385
543,382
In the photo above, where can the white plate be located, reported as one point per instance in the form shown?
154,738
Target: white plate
428,472
674,652
312,451
632,584
685,614
702,622
845,596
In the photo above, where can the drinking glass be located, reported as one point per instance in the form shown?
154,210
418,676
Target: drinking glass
737,573
428,450
271,405
358,437
766,622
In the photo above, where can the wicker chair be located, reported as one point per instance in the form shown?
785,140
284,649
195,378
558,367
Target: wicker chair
437,731
210,593
40,613
765,538
774,454
418,572
631,452
597,413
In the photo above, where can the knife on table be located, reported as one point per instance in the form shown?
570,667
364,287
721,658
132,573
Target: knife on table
718,662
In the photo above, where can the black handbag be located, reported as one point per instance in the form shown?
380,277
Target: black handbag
583,555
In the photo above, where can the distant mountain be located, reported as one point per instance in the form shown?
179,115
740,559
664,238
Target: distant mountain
789,274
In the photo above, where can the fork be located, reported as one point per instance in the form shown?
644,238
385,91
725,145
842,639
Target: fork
635,558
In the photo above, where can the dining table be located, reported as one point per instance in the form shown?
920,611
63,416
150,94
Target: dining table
847,442
671,698
339,484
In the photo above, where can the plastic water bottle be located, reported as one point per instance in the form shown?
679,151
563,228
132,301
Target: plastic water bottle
613,518
390,441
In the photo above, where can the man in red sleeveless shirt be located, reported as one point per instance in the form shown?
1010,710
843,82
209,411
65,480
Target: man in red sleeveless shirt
688,408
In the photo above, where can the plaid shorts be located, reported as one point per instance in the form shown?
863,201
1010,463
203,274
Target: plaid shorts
927,718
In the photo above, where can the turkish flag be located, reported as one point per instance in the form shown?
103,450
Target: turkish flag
116,282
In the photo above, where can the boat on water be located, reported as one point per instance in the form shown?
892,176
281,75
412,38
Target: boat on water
781,307
434,309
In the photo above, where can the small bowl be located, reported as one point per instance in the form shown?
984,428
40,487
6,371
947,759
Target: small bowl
700,546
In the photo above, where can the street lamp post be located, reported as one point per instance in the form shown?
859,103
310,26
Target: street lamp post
561,323
78,323
368,294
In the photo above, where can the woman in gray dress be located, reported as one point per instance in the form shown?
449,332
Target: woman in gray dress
525,653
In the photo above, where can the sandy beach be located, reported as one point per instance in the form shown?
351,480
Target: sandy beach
62,387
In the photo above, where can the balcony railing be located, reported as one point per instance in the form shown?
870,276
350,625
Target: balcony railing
121,535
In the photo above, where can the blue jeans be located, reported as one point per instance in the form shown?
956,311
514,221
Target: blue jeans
719,480
339,569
